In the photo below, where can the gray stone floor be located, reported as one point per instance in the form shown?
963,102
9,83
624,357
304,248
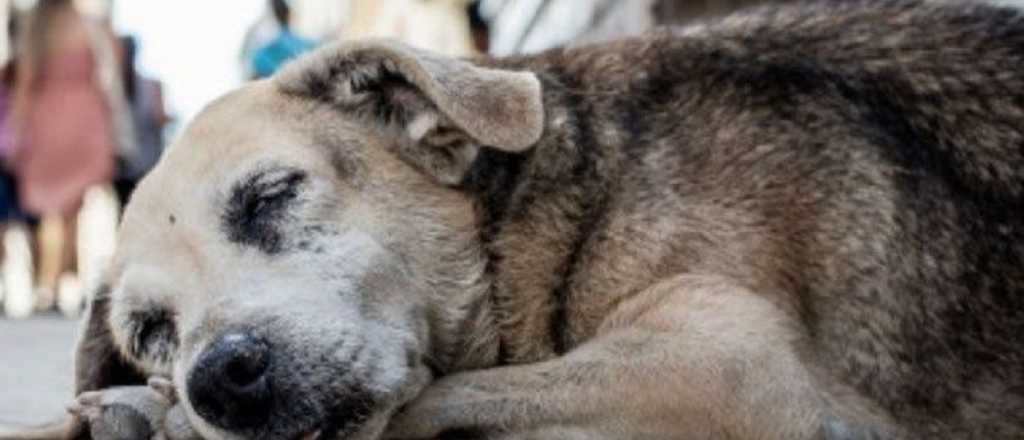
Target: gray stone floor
35,368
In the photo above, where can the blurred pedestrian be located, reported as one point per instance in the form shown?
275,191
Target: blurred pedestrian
8,194
258,35
16,269
285,46
146,103
68,114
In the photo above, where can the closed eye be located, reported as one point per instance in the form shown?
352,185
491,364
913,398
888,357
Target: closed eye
265,196
257,206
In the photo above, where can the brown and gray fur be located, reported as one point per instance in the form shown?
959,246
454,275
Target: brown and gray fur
801,222
683,11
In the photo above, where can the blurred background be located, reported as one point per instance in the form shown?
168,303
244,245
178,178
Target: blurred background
91,91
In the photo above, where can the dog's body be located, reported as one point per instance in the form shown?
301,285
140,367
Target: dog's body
861,170
787,224
865,178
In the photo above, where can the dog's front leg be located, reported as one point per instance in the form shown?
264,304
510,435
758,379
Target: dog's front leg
691,358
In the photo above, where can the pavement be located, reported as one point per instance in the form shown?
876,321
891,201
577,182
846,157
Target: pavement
35,368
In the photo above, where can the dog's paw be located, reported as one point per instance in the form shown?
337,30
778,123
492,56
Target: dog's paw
422,419
134,413
177,426
444,410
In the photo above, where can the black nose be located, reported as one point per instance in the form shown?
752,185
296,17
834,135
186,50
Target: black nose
228,386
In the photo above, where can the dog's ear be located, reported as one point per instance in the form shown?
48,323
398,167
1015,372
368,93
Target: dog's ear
445,109
98,363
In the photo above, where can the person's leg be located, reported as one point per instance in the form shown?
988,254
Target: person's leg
95,238
51,238
69,289
69,254
19,298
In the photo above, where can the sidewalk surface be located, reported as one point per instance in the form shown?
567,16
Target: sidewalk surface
35,368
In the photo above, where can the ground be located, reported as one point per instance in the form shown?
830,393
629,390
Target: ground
35,368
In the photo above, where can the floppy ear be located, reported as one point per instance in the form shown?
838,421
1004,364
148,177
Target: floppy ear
445,108
98,363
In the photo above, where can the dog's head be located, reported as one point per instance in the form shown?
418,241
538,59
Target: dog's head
303,256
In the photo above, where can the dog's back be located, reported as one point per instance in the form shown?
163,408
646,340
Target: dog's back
862,163
913,281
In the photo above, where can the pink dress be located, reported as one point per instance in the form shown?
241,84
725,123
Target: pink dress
68,145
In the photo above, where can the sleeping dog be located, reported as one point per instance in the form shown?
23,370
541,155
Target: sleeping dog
802,222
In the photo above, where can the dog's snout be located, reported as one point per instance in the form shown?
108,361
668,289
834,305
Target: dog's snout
228,386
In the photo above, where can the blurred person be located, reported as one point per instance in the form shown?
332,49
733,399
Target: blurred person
97,218
16,267
259,34
285,46
94,245
69,120
146,104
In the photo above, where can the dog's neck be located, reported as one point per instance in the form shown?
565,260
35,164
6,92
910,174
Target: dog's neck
561,183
